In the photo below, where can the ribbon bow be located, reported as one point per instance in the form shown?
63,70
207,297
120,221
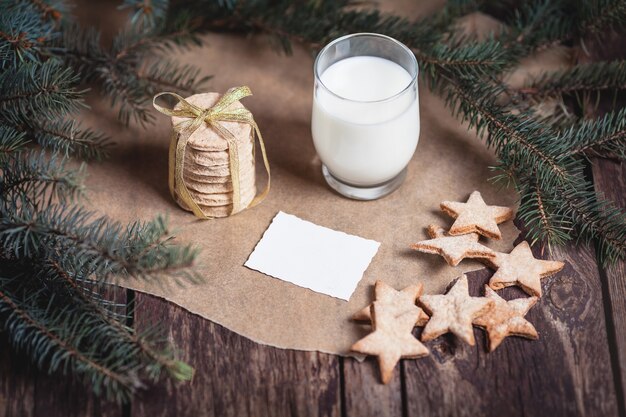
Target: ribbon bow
194,116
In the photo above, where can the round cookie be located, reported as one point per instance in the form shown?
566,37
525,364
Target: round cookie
245,182
205,138
219,199
206,159
218,170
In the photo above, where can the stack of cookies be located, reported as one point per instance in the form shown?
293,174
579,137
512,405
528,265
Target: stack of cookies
207,171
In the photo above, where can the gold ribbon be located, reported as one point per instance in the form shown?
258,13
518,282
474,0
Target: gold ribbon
195,116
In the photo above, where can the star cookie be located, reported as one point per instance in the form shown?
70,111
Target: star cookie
453,312
506,318
391,339
399,301
453,248
476,216
521,268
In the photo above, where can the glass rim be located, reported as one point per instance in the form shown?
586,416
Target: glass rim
372,35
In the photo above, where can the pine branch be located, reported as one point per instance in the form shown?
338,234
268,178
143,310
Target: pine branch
103,246
11,141
597,16
146,14
123,71
596,220
22,34
537,25
542,223
583,78
604,137
42,91
45,334
156,360
32,177
163,74
68,139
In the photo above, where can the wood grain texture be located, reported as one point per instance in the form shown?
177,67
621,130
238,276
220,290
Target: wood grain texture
610,178
235,376
364,395
567,372
17,387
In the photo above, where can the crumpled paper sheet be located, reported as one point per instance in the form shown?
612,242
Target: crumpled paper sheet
450,162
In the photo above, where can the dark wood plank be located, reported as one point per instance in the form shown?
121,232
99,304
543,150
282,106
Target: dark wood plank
610,178
567,372
235,376
17,387
364,395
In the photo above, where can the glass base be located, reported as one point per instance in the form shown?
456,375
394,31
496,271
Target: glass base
363,193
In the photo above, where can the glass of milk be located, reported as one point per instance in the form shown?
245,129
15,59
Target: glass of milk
365,121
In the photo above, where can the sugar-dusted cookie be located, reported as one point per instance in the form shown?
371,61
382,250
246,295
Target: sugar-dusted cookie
521,268
476,216
399,301
453,312
391,339
506,318
453,248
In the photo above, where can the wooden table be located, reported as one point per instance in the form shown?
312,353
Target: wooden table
576,368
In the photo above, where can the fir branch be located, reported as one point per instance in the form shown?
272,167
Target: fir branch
33,176
11,141
604,137
145,343
22,34
146,14
101,245
596,220
45,335
597,16
42,91
538,25
517,139
164,74
583,78
68,139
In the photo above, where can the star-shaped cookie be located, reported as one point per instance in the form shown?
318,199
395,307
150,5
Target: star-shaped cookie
506,318
476,216
391,339
453,248
453,312
400,302
521,268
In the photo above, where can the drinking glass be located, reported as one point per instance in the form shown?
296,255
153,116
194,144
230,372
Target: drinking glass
365,122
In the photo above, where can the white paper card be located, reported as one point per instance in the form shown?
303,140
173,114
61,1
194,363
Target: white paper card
312,256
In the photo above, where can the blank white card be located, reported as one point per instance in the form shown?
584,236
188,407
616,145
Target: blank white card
312,256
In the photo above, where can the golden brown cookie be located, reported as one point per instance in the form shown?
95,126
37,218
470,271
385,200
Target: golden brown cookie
506,318
400,301
217,157
453,312
476,216
245,183
220,199
205,138
453,248
521,268
391,339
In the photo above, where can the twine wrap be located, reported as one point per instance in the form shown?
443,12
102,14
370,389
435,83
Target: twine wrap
195,116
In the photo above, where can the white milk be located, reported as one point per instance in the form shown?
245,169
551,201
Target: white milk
362,138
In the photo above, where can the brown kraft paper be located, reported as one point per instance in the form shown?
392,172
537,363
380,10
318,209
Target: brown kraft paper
450,162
